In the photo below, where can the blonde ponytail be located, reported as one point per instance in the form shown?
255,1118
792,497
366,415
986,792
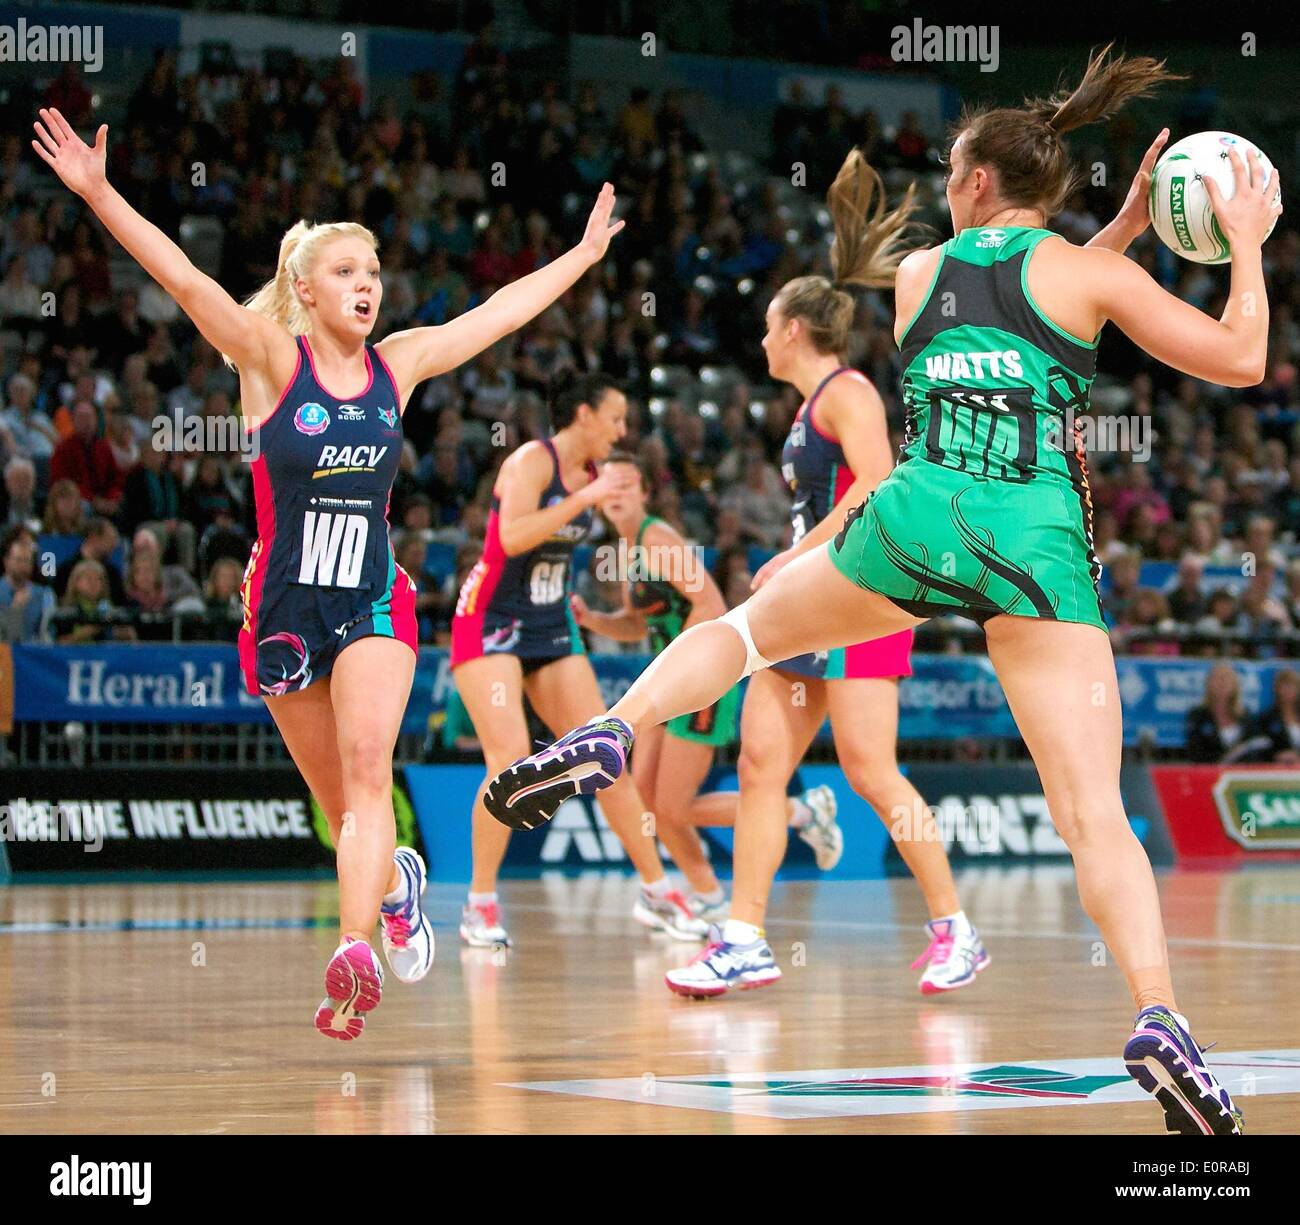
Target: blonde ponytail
870,242
278,299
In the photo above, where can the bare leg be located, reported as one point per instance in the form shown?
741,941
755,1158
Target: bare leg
682,768
565,694
368,689
300,718
864,718
1059,679
807,606
492,689
779,720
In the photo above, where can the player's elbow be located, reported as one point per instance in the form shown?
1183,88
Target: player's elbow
1247,371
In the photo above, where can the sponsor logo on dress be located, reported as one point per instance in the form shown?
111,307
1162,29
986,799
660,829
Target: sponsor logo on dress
360,458
991,238
352,412
311,419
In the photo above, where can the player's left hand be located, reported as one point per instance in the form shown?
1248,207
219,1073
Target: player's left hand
1136,211
595,241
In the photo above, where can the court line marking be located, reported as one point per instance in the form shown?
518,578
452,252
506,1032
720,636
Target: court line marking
990,1084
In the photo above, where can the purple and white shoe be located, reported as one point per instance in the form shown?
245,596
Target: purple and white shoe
586,760
1162,1056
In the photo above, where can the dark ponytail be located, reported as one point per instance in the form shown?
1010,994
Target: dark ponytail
567,390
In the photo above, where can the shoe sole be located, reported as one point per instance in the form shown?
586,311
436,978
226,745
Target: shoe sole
352,988
929,988
647,918
695,992
1164,1072
421,875
530,792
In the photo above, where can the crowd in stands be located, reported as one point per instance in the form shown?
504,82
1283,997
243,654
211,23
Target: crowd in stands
107,536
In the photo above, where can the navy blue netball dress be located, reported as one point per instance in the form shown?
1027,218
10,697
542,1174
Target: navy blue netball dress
322,573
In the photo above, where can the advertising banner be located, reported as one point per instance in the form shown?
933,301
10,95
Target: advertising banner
174,821
1231,813
999,812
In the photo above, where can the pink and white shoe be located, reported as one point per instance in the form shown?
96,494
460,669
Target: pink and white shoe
354,983
481,926
954,955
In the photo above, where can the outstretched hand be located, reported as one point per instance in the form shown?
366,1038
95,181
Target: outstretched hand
595,241
79,165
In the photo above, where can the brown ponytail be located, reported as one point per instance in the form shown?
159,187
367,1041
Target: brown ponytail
1024,144
870,242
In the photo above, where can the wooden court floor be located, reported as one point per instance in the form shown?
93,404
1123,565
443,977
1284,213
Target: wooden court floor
187,1008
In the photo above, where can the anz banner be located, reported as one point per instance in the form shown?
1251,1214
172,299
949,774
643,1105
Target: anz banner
947,697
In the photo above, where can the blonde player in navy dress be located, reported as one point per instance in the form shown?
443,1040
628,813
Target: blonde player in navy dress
329,636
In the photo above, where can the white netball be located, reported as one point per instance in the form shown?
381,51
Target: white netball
1180,206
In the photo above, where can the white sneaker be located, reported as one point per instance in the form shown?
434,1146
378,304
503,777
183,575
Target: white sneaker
722,966
709,912
670,913
408,934
480,926
954,957
823,833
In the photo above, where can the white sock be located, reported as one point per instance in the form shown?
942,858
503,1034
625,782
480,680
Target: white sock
1182,1020
400,893
736,932
713,897
660,888
483,899
802,815
961,925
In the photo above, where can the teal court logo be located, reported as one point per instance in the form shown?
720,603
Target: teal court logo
849,1092
1260,809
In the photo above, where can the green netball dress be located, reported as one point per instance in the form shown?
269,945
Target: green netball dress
988,510
665,610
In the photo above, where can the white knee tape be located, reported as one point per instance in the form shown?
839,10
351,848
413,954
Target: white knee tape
739,621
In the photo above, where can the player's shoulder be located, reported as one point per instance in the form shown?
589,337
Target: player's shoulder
532,461
918,265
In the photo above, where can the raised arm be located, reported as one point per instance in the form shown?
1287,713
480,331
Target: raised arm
1135,214
1233,350
524,475
252,341
420,353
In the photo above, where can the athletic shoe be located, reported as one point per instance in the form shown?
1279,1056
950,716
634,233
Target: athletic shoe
822,833
954,958
586,760
710,912
1163,1058
408,934
480,926
354,982
669,913
721,966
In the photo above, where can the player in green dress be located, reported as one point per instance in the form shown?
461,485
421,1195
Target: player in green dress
982,519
